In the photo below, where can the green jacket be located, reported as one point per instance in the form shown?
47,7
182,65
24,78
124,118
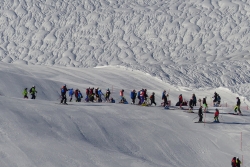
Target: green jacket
33,91
25,93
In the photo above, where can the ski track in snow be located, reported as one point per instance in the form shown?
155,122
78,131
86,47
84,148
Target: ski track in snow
195,44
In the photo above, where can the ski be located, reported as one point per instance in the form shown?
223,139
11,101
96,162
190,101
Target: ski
187,111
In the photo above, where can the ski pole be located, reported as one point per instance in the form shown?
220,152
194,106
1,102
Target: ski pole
195,117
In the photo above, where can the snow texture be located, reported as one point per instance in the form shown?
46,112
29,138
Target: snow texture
191,43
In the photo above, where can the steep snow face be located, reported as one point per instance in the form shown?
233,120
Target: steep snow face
194,43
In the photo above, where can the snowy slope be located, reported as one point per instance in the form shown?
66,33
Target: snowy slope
191,43
38,133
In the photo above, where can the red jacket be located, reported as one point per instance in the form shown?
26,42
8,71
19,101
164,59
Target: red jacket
216,114
233,163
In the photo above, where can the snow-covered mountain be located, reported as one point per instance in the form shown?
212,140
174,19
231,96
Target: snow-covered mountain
191,43
41,132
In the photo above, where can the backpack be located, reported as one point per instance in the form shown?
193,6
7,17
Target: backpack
30,90
151,97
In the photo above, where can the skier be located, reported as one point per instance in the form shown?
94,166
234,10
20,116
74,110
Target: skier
152,98
121,94
107,95
142,95
138,96
238,162
100,95
194,100
91,91
63,94
87,94
79,98
71,93
180,100
215,98
237,107
145,94
92,97
216,115
25,93
133,96
33,92
200,114
204,102
191,105
112,100
233,162
96,94
218,100
76,94
164,98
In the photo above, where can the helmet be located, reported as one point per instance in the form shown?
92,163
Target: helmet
153,93
237,97
64,84
33,86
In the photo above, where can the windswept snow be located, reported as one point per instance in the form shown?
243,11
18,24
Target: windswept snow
38,133
197,44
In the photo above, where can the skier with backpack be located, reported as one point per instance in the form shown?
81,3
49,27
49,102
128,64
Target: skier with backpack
133,96
71,93
63,94
25,93
33,92
152,99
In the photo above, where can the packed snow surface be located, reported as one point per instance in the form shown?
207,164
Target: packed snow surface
42,132
191,43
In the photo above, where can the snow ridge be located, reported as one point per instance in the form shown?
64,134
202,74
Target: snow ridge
202,43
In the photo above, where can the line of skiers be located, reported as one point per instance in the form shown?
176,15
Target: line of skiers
96,95
32,91
143,97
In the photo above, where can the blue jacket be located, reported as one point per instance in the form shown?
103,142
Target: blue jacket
71,92
79,95
100,93
138,94
132,95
